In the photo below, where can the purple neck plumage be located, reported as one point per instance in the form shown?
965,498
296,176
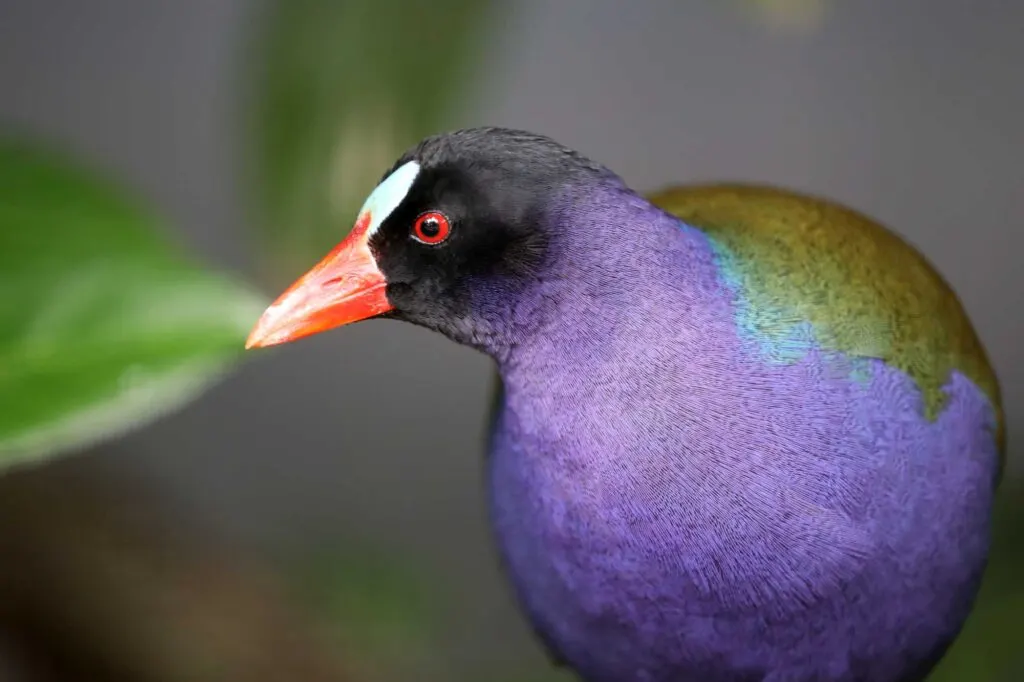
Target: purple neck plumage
611,255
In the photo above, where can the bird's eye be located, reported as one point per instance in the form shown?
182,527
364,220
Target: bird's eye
431,228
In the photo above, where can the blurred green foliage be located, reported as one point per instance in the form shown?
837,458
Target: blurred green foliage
990,647
387,610
340,90
103,323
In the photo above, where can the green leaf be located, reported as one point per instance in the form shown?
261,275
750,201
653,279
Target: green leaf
342,88
104,325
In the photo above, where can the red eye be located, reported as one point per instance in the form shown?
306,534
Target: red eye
431,228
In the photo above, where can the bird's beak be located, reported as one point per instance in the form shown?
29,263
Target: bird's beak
345,287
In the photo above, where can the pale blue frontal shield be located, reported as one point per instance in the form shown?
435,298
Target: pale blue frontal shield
388,195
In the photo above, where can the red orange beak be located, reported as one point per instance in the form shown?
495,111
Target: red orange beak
345,287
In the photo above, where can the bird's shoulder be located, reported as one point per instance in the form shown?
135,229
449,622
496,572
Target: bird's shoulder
799,260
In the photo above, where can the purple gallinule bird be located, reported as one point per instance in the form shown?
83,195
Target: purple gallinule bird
744,434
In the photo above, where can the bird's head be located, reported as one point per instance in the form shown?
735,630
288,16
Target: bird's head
455,233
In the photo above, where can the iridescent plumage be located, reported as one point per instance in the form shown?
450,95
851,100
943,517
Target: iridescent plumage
770,456
750,438
800,260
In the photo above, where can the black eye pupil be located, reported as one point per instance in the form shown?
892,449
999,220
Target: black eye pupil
431,227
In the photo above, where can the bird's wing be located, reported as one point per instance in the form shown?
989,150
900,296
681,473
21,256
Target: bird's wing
800,261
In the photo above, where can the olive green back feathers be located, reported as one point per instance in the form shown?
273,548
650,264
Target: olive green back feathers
861,289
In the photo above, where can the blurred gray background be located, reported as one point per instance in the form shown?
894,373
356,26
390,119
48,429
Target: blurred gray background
909,111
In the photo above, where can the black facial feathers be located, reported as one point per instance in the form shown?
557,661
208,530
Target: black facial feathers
497,188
